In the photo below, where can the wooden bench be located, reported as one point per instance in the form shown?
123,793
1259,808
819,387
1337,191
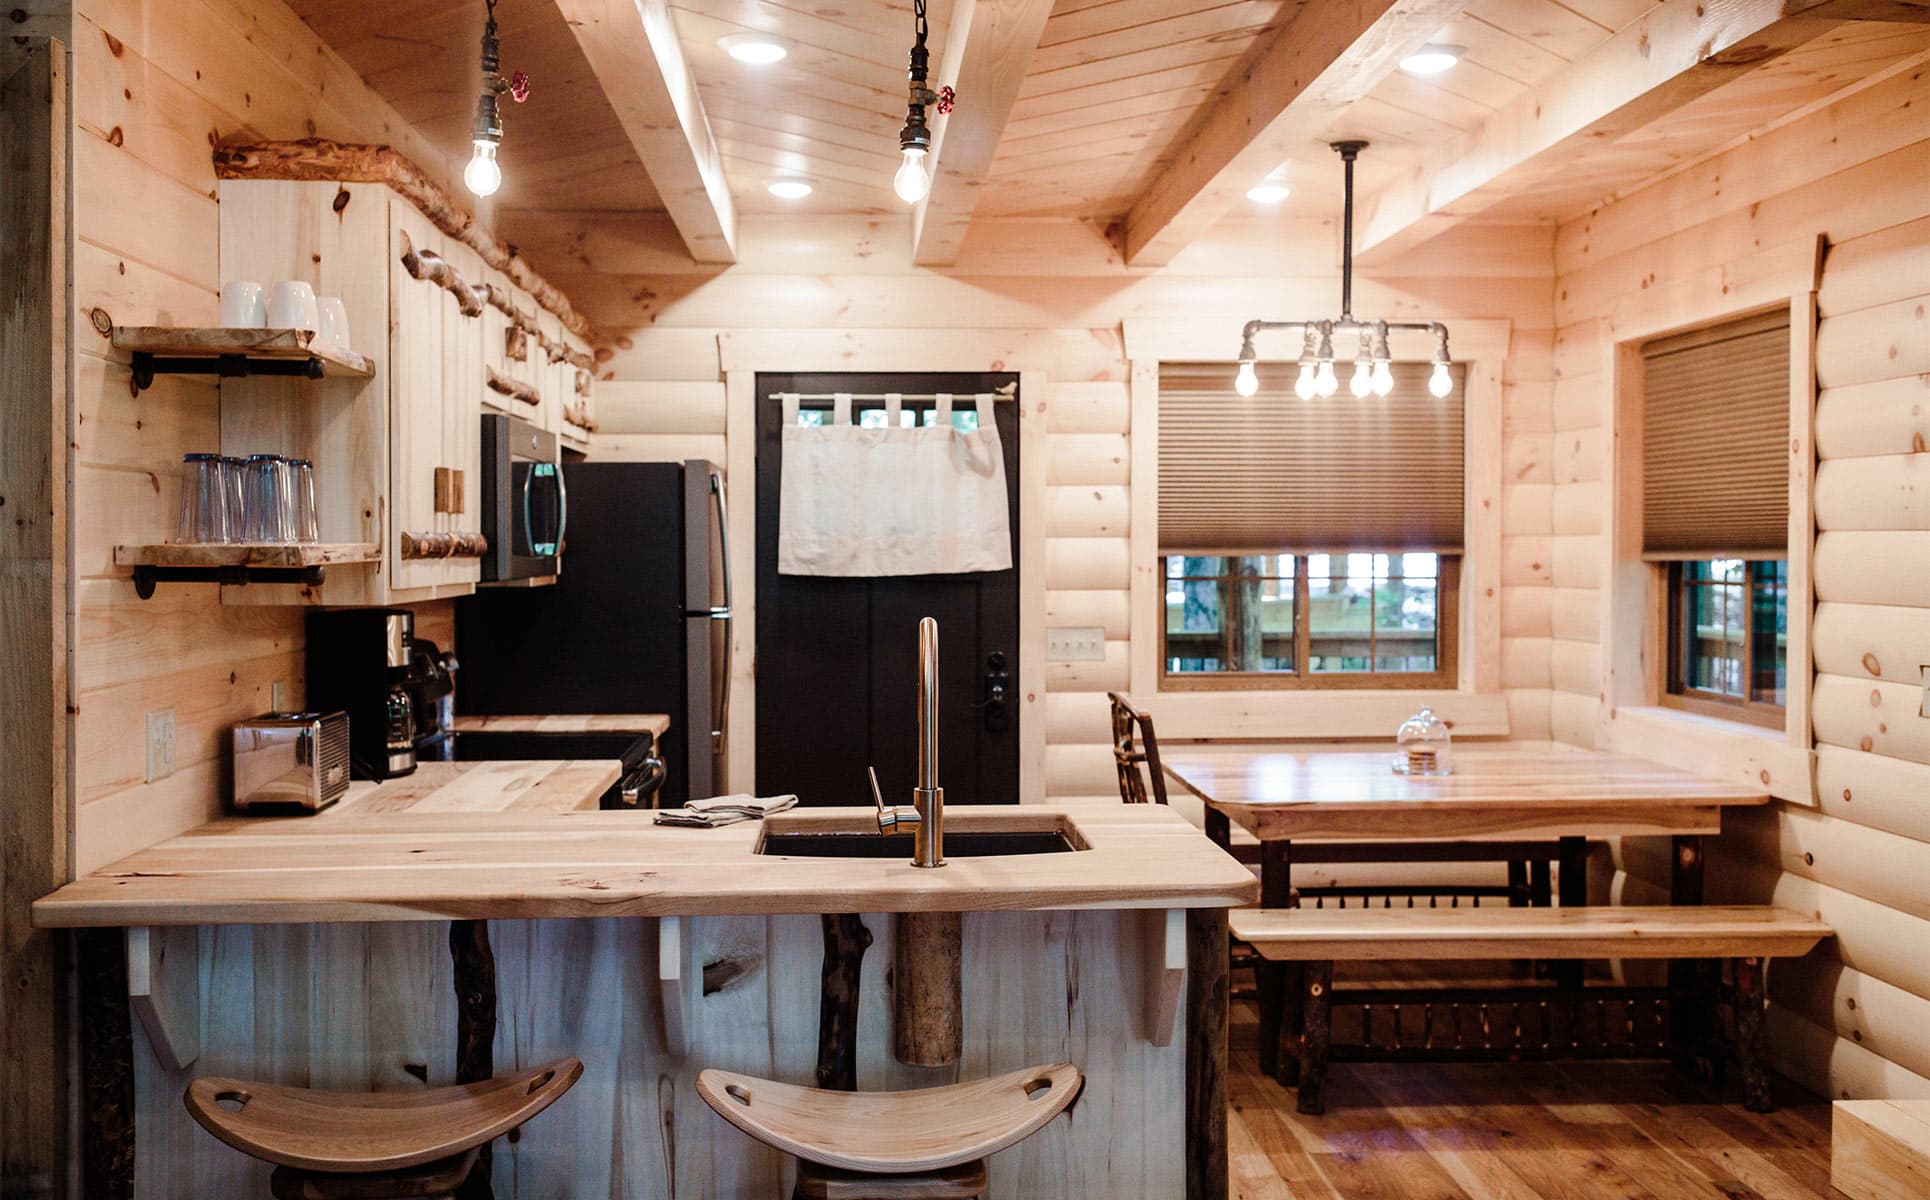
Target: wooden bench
1320,937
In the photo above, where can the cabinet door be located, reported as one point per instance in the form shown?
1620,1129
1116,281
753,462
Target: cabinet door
463,354
496,327
416,389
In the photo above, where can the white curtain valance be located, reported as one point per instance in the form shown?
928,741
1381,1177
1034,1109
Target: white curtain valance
927,500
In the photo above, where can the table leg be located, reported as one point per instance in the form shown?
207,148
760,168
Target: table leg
1688,1000
1317,986
1207,1001
1270,978
1574,894
1750,1051
475,978
106,1065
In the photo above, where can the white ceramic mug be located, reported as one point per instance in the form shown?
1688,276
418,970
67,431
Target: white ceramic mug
292,306
334,328
241,306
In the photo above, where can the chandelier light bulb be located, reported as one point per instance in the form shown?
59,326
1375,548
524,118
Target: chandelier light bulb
1304,386
1363,381
483,175
1383,378
1247,382
1440,383
912,182
1326,383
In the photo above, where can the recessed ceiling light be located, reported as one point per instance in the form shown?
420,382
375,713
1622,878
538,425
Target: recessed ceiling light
1268,191
758,49
790,189
1432,59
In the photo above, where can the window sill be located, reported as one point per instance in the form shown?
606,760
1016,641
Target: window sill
1738,750
1318,713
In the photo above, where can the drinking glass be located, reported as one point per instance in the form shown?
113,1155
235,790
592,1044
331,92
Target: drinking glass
237,505
302,490
265,487
203,516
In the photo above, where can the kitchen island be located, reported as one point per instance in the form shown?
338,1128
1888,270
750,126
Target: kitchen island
321,953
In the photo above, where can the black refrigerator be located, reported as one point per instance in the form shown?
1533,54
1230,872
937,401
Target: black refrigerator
638,621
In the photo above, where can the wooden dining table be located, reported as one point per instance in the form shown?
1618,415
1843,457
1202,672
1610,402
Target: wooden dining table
1497,792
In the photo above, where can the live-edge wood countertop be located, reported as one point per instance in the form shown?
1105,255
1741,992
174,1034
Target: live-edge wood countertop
357,865
654,724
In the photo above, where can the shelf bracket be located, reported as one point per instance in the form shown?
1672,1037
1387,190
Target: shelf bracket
146,577
1163,958
671,979
146,365
164,989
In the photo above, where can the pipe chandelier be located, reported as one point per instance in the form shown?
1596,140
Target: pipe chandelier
1373,372
484,174
913,181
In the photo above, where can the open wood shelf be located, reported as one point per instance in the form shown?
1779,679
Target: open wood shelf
235,353
238,564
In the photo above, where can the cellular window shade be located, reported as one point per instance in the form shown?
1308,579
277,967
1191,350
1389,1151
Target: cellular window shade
1715,434
1275,473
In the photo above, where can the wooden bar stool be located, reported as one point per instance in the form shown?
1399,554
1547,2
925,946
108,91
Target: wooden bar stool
928,1144
373,1145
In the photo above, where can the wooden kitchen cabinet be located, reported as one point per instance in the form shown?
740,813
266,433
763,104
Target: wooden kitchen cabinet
399,454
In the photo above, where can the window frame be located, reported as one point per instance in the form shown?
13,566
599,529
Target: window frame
1676,692
1447,631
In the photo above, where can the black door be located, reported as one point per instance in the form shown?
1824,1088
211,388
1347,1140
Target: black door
837,658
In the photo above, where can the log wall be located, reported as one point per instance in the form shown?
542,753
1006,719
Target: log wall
156,84
1052,296
1714,238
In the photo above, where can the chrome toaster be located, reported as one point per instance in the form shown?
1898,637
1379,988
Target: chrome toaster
291,761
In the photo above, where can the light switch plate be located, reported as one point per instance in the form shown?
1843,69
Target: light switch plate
1075,644
160,744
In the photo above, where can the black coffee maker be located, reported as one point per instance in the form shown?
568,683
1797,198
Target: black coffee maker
359,662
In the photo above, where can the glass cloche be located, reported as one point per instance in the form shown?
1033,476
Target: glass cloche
1425,746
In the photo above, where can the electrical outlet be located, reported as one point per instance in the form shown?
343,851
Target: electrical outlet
278,696
1075,644
160,744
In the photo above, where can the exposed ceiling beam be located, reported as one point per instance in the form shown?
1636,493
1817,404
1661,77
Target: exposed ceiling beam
1330,55
632,47
988,47
1665,59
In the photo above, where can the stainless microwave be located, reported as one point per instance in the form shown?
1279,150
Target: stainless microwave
525,505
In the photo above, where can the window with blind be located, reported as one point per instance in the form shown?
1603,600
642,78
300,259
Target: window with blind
1308,543
1715,512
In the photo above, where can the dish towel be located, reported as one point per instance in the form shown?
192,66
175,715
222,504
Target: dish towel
926,500
724,810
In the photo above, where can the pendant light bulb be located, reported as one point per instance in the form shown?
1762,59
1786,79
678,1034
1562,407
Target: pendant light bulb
912,182
1363,381
1326,383
1247,382
484,174
1303,387
1440,383
1383,378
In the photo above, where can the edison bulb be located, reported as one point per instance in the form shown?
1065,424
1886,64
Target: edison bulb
1362,382
912,181
1303,387
1326,383
1247,382
1383,378
483,175
1440,383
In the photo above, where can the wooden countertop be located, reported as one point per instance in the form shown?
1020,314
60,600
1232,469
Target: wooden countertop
654,724
355,864
559,786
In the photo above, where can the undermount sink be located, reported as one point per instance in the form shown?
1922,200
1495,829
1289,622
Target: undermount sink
958,844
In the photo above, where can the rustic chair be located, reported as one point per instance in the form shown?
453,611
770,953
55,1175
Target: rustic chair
928,1144
373,1145
1135,748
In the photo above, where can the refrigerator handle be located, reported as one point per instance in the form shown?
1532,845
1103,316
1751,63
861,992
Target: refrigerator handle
723,701
723,530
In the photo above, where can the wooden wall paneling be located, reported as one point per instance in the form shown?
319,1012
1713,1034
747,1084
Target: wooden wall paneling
1832,1066
1888,416
35,601
1875,790
1863,567
1035,573
1876,268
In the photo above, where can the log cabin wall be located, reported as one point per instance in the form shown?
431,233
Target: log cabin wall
1053,295
1846,838
156,84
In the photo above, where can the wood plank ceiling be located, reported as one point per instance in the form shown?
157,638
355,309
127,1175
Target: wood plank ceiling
1114,90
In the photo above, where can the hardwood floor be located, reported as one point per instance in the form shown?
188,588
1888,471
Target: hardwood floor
1518,1131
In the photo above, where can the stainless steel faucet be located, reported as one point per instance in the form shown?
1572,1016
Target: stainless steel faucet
926,814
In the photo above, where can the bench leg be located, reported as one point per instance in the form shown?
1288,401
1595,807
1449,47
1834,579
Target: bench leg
1689,1002
1750,1005
1574,894
1315,1034
1270,978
